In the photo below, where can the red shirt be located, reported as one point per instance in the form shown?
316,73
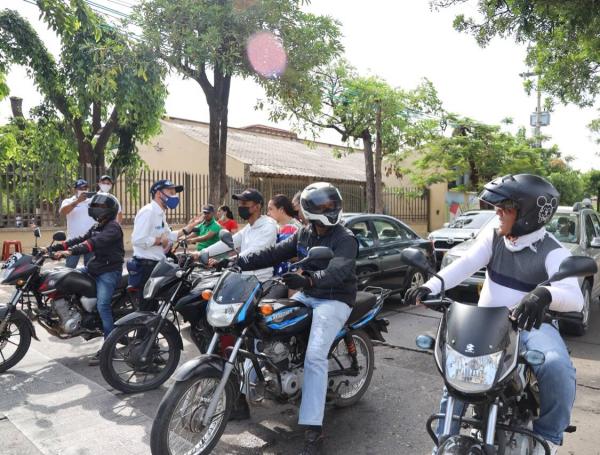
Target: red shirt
228,224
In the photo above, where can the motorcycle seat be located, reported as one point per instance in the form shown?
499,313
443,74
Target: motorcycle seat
364,302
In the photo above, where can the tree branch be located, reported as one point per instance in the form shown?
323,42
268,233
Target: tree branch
106,132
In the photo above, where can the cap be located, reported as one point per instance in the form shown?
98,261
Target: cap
106,177
209,208
80,183
162,184
251,194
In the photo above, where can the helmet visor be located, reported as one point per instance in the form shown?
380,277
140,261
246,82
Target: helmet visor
497,200
322,201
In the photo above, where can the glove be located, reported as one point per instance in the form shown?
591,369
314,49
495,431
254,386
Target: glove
414,295
222,264
295,281
530,312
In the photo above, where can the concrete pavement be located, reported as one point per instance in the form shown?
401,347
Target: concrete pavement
54,403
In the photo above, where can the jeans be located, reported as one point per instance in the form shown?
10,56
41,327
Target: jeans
106,283
72,261
556,380
328,318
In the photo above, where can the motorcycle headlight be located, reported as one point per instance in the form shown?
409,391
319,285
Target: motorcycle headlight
448,259
151,287
471,374
221,315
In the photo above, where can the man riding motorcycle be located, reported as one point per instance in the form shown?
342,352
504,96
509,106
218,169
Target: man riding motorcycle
519,255
105,241
330,291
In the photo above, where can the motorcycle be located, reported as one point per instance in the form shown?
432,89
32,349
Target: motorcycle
62,300
266,360
144,348
486,370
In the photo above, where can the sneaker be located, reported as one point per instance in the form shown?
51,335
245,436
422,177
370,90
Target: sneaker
539,449
241,410
94,360
313,443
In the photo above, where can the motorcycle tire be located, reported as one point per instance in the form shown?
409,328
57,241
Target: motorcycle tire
115,380
170,408
361,341
19,321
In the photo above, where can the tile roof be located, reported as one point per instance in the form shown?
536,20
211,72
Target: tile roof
278,155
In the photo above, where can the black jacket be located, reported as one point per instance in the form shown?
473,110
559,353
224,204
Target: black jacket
105,241
336,282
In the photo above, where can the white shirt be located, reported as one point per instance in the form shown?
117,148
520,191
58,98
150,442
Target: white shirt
566,294
150,222
251,239
78,220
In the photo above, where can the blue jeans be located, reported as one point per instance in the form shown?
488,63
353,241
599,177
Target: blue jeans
106,283
328,318
556,380
72,261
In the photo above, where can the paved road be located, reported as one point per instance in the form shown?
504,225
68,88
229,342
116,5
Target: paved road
53,403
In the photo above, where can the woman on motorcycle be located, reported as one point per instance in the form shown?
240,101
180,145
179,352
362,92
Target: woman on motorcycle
519,255
105,241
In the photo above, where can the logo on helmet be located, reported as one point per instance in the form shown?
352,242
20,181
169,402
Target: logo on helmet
546,208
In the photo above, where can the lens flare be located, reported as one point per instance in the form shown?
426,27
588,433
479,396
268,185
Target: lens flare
266,54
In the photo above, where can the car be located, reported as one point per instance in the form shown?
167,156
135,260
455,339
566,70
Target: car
577,228
381,239
464,227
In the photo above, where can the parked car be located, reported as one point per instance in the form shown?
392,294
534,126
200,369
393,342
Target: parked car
464,227
381,239
578,229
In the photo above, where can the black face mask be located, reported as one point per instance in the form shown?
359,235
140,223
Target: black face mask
244,213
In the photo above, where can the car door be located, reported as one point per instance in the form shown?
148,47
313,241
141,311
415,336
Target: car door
392,238
593,219
367,262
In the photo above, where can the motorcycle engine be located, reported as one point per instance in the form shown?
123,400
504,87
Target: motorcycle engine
70,318
278,352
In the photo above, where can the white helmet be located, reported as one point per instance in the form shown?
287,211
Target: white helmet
321,202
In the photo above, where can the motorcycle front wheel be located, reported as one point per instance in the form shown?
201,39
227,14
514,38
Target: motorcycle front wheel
177,428
14,341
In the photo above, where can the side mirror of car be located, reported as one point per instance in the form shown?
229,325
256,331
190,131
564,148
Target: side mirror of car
59,236
226,237
595,243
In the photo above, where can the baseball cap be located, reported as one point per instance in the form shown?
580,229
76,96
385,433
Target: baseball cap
80,183
106,177
162,184
209,208
251,194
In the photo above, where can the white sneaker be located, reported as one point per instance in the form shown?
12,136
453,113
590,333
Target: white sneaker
539,449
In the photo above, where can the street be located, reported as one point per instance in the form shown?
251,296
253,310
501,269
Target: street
54,403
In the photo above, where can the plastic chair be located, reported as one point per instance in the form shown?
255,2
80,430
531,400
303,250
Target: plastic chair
6,248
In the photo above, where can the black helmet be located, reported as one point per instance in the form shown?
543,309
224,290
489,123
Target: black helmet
534,197
321,202
103,207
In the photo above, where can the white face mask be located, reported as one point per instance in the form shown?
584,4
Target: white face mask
105,187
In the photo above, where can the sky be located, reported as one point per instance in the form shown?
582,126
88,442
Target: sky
401,41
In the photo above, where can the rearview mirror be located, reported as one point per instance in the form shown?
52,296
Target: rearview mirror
320,253
226,237
37,233
416,258
59,236
574,266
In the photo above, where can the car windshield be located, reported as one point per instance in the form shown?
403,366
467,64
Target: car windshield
471,220
565,227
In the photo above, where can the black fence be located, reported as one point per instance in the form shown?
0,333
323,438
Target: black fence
33,194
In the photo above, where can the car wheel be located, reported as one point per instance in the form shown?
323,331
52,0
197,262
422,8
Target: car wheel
415,278
579,329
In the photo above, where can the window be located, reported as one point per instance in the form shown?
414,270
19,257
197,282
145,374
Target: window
364,235
596,224
565,227
590,231
388,232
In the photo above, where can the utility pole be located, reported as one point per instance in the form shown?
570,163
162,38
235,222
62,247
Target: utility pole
541,118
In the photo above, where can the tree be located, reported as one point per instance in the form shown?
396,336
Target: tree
592,185
479,151
107,88
367,110
569,184
562,38
204,39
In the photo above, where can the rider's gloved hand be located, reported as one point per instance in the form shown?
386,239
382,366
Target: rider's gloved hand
530,312
296,281
414,295
219,264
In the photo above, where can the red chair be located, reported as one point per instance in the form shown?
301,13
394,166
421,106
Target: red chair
6,248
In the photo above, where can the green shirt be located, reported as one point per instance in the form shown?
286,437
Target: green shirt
204,228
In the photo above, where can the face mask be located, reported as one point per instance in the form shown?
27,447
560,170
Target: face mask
105,187
244,213
170,201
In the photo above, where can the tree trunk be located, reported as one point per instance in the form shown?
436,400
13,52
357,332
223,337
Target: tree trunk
378,164
16,105
369,171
